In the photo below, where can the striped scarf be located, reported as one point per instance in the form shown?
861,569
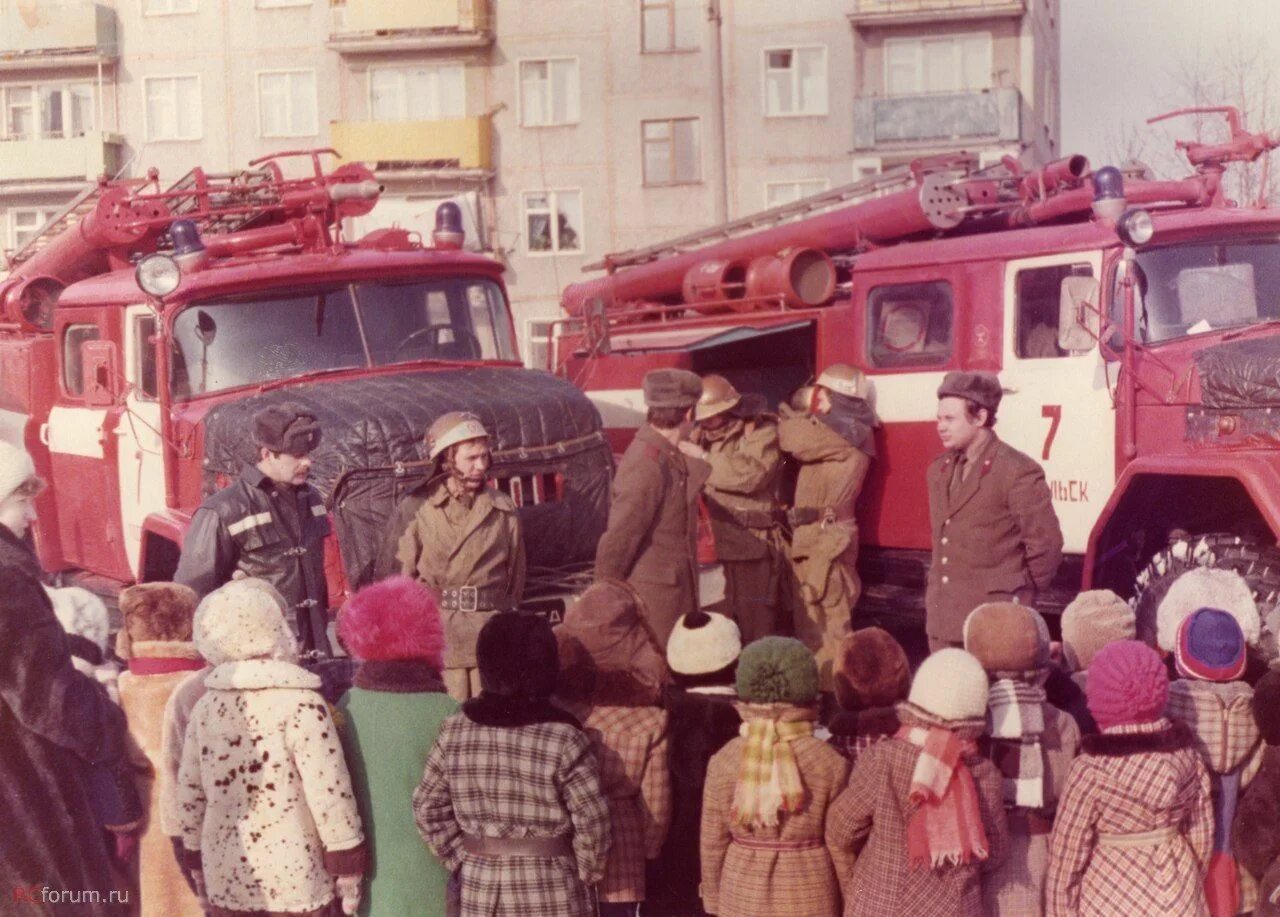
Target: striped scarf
1016,713
769,777
946,826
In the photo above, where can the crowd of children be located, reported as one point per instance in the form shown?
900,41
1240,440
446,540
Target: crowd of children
598,772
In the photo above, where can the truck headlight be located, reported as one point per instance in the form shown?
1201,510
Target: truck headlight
1135,228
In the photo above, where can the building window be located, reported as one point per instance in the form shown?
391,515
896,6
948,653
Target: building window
1039,290
287,104
167,7
417,93
671,153
548,92
25,222
909,324
949,63
795,81
64,110
777,193
173,108
539,337
72,371
279,4
669,25
553,221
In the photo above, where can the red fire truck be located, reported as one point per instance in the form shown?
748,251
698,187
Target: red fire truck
142,329
1135,325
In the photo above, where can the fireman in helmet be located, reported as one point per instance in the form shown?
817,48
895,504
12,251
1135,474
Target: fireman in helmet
269,523
833,445
740,443
462,538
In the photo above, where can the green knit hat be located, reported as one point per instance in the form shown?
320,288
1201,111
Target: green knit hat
777,670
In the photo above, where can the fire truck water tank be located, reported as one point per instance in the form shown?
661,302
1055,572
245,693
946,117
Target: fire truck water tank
803,277
709,286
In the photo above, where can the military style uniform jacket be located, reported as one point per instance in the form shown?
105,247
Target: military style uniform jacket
446,545
651,538
741,492
995,535
248,526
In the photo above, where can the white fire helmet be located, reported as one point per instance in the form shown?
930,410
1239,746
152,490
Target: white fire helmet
845,380
718,396
451,429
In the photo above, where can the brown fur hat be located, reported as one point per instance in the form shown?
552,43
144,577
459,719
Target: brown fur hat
871,670
1007,637
155,611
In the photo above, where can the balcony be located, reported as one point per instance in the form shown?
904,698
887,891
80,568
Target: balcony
905,12
386,26
55,33
937,119
76,159
445,145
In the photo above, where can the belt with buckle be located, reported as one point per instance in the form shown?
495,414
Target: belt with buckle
470,598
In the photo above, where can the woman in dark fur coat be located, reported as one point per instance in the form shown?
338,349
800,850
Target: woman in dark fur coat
1256,829
703,657
56,724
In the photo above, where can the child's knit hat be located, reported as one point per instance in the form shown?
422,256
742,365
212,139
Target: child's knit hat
1128,684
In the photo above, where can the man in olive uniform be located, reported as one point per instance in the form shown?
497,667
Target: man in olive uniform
651,537
995,534
268,523
741,446
463,539
834,445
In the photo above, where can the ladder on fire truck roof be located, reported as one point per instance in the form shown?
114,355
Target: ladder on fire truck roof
873,185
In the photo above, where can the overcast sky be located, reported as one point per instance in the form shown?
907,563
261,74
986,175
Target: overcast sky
1121,60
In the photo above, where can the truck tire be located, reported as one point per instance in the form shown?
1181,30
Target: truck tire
1254,561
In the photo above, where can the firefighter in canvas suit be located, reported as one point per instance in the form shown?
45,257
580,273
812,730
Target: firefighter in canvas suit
740,443
995,534
834,446
651,537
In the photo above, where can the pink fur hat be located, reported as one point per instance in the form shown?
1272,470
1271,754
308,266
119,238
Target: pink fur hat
396,618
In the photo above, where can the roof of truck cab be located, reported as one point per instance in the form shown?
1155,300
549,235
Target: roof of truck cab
270,270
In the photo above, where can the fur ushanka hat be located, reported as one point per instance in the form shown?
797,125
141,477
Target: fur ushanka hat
394,618
1007,638
155,612
517,656
871,670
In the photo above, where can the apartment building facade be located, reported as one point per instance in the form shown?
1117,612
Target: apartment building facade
566,128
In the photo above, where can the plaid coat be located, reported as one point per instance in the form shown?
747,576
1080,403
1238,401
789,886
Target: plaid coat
631,746
870,820
752,882
539,780
1129,780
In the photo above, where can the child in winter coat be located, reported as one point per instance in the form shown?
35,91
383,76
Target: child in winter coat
1214,705
768,793
1135,823
155,642
510,799
1256,832
611,678
1031,743
702,655
388,721
268,817
872,678
922,812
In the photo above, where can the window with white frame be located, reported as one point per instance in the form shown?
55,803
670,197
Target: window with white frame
669,25
25,222
173,107
671,151
944,63
424,93
167,7
549,92
553,221
539,338
287,104
777,193
795,81
49,111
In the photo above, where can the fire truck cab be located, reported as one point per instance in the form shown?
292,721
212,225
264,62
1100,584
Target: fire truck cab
1133,323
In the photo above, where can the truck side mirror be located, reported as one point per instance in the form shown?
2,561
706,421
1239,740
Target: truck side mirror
1079,318
100,370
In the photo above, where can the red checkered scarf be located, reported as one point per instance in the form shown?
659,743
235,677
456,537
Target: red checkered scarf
946,826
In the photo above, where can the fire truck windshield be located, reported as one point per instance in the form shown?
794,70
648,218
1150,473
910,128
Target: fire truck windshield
1204,286
229,342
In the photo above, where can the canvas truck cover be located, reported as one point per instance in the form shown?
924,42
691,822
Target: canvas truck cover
1236,375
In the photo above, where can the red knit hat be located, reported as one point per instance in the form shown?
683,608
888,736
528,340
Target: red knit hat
396,618
1128,684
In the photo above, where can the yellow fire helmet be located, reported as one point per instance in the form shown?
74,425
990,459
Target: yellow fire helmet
718,396
451,429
